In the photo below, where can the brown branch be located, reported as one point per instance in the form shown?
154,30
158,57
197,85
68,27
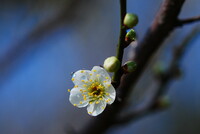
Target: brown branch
182,22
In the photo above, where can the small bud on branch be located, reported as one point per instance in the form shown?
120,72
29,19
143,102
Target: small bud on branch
130,20
111,64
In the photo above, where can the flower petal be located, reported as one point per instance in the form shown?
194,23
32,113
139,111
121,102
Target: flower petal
80,76
104,76
96,109
77,99
111,94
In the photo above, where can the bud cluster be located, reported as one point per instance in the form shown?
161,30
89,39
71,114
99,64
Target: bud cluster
112,64
130,20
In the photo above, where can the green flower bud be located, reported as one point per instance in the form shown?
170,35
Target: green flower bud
129,66
130,36
130,20
111,64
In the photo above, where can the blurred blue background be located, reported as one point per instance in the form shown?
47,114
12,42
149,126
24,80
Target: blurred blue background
43,41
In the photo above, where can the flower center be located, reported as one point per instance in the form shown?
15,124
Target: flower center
96,90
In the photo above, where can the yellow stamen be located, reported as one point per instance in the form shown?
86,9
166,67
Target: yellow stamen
84,85
75,86
108,100
108,85
99,86
94,70
97,102
73,79
100,99
97,75
90,102
90,74
81,102
82,71
82,80
107,94
96,83
89,112
90,94
84,98
103,107
68,90
107,77
105,81
90,80
75,105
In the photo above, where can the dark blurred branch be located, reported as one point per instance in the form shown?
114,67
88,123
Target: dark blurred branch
64,17
163,81
182,22
135,115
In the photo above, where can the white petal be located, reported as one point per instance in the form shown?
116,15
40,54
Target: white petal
76,98
111,94
80,76
96,109
104,76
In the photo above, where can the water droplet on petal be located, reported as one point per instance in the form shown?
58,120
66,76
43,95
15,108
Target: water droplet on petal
72,73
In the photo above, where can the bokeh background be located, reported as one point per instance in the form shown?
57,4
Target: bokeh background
43,41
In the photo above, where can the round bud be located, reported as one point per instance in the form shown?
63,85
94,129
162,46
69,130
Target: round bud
130,20
111,64
130,36
129,66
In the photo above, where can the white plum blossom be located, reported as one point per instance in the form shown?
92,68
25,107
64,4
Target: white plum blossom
92,89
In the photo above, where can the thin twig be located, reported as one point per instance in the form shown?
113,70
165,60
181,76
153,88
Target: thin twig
121,43
182,22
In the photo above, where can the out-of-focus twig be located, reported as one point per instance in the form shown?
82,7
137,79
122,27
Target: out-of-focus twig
65,16
164,80
181,22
